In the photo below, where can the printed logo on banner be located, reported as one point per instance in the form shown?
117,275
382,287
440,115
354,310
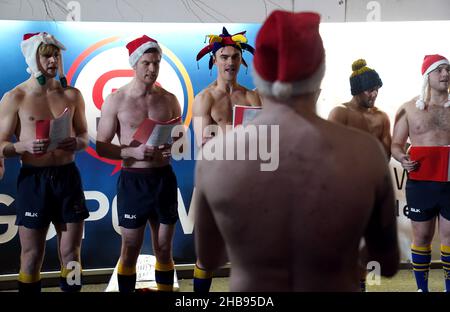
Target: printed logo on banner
108,69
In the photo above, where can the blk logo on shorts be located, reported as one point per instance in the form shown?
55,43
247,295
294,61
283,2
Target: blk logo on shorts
31,214
415,210
131,217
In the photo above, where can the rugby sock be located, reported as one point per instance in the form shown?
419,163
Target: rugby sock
29,283
202,280
71,285
421,259
164,276
445,258
126,278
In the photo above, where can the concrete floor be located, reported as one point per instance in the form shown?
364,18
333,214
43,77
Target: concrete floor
403,281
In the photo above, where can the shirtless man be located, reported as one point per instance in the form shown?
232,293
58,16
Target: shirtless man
147,186
49,186
426,122
213,107
273,225
361,113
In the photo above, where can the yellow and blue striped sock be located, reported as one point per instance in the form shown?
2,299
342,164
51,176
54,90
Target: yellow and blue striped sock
164,276
126,278
202,280
29,283
421,259
445,258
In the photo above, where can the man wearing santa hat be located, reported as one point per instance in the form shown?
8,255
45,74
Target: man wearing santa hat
49,187
425,120
360,113
297,228
147,186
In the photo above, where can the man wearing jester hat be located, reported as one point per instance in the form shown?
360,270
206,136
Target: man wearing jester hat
214,105
49,187
425,120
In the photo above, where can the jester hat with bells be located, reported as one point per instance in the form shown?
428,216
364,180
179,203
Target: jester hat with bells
239,41
30,45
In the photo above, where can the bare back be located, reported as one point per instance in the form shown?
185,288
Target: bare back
296,227
215,106
24,105
125,110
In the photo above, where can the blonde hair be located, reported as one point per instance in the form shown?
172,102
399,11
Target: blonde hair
47,49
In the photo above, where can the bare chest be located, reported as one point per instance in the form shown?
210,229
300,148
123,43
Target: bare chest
222,108
432,120
40,107
131,115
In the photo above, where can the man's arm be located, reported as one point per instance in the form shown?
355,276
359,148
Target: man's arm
8,124
209,244
338,115
399,138
79,123
381,232
386,138
202,116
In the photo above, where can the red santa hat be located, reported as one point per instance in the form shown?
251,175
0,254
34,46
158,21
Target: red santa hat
289,55
138,46
430,63
29,47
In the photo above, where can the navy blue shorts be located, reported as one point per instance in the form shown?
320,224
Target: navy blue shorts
49,194
147,193
427,199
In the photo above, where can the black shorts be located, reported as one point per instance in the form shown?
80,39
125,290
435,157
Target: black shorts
49,194
427,199
147,193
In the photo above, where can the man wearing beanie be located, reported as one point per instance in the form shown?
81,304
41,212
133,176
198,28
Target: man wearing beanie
213,106
361,113
296,228
49,187
425,121
147,186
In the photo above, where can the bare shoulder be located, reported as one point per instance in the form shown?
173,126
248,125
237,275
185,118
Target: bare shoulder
117,96
252,97
205,96
339,113
12,99
406,108
166,94
72,93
